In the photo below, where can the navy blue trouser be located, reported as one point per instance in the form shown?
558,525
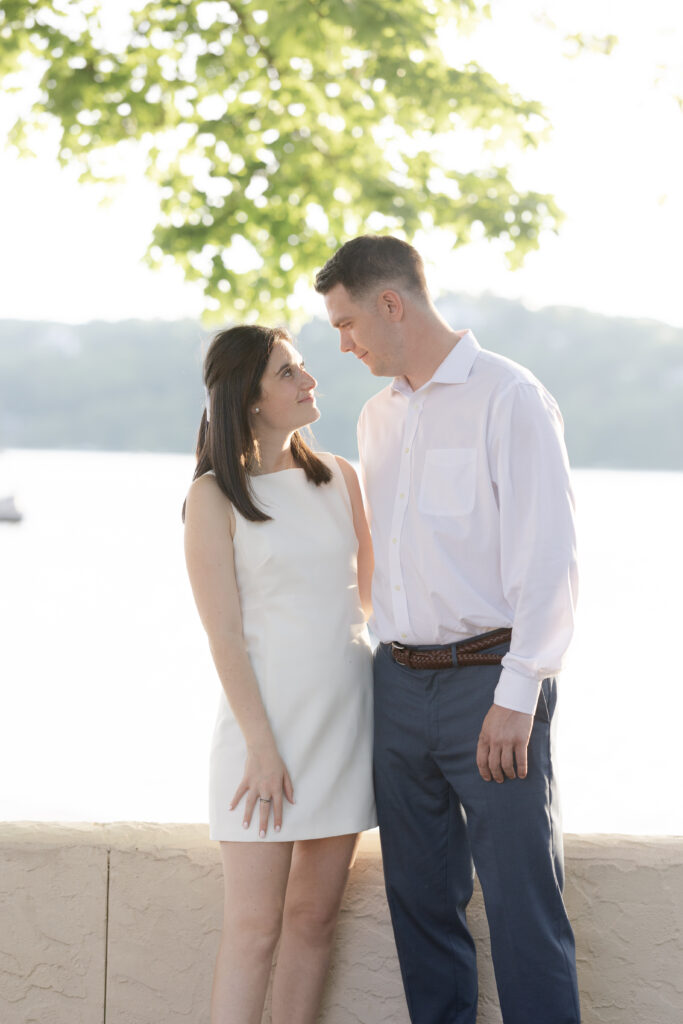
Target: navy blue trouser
439,821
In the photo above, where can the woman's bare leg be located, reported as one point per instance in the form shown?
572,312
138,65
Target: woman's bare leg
317,878
255,884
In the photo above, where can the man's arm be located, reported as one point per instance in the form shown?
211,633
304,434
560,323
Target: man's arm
530,471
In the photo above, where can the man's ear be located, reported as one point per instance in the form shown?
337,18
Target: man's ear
390,305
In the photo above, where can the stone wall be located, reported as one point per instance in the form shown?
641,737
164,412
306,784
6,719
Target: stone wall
120,923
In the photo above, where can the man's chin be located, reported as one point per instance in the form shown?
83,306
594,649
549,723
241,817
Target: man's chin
379,371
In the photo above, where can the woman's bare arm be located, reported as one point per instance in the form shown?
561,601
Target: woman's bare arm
209,555
366,561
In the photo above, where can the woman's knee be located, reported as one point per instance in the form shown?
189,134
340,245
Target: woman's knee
254,932
312,921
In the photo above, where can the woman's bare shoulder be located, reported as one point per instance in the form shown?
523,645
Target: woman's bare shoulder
351,480
205,498
346,468
205,488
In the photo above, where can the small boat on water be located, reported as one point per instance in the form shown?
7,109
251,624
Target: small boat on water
9,513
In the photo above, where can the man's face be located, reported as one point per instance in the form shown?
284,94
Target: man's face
366,329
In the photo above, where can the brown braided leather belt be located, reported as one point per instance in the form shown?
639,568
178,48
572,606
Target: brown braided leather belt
468,652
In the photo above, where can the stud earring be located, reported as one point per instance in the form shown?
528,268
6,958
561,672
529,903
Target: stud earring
257,409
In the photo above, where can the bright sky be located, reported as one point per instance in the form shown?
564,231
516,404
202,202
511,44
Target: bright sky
614,164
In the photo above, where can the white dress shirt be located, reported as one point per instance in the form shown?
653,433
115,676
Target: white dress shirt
471,511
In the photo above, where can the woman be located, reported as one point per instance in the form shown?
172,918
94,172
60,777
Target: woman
279,557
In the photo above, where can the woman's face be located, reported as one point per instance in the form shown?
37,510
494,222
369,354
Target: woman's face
287,401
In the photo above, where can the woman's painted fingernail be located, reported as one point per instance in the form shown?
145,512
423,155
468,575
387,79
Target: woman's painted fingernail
245,824
262,834
277,828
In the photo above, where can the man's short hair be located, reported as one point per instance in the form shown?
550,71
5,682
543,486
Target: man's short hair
371,260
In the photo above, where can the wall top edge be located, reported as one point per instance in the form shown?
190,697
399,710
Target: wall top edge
188,836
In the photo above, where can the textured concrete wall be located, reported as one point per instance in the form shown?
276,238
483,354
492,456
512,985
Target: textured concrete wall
128,916
53,903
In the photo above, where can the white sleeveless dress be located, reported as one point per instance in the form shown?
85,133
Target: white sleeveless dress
308,644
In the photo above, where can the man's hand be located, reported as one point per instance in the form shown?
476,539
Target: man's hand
503,740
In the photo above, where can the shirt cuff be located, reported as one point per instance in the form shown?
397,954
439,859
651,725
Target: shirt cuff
516,692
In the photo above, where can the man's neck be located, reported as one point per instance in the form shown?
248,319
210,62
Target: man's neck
429,356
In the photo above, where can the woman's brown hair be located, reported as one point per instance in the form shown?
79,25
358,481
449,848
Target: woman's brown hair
233,368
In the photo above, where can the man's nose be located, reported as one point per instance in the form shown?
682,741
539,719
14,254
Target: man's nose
345,343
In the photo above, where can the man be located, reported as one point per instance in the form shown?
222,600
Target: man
471,511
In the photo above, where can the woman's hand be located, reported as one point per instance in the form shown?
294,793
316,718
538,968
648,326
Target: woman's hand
264,781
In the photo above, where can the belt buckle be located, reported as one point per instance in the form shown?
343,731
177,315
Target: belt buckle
395,647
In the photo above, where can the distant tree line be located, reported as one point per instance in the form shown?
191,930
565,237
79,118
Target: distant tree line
136,385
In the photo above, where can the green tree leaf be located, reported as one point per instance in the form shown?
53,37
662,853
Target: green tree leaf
277,129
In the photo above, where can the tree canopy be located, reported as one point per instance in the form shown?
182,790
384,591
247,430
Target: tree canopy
277,129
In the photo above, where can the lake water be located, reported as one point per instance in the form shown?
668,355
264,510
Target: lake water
109,693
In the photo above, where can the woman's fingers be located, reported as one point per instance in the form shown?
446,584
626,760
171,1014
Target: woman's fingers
287,788
277,811
252,797
264,812
239,793
269,787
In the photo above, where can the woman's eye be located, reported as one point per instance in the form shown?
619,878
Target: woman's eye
287,372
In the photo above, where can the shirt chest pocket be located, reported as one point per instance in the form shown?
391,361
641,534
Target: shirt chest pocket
448,482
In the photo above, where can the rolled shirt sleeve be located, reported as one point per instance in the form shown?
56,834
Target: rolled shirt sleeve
530,472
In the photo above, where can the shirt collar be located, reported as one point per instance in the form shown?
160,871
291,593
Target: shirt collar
454,369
